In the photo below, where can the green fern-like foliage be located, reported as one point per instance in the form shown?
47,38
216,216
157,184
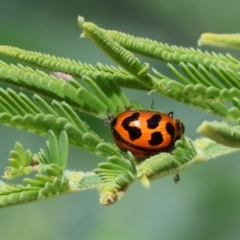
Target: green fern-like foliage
207,81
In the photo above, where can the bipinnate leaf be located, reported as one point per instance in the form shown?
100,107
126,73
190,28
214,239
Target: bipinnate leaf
207,81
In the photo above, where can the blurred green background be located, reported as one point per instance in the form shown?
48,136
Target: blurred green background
203,205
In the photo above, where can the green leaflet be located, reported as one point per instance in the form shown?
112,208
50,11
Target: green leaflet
35,189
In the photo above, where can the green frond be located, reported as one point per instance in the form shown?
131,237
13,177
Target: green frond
185,154
220,40
35,189
21,162
208,149
19,194
167,163
36,81
100,93
116,175
49,181
170,54
207,81
123,57
65,65
221,133
56,117
210,91
215,76
55,160
46,61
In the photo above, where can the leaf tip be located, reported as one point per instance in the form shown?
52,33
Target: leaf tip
145,181
109,194
83,35
81,20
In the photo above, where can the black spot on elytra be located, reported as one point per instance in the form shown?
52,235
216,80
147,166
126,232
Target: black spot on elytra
153,121
156,139
133,132
170,129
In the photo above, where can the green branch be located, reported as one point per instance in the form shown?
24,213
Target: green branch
66,88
